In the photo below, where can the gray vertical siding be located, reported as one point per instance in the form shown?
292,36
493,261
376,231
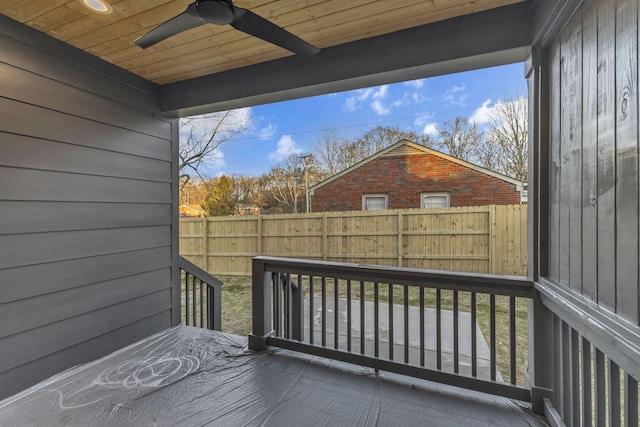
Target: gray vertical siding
594,178
87,230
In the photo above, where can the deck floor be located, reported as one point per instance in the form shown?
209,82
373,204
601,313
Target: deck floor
192,377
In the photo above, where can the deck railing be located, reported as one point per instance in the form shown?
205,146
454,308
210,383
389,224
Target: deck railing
454,328
594,362
201,298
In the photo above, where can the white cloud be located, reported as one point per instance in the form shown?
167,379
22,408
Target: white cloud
381,93
286,147
455,95
422,119
367,96
431,129
379,108
268,131
415,83
483,113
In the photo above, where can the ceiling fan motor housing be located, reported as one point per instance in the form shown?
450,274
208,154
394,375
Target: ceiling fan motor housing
218,12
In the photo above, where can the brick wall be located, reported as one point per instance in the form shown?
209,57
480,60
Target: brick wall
404,178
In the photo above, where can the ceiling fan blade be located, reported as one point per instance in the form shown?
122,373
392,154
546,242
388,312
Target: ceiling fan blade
185,21
250,23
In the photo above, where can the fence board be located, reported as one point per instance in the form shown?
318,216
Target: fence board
488,239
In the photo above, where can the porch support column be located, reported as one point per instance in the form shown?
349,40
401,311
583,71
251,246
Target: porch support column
540,373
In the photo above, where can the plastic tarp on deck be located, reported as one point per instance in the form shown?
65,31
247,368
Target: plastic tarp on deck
186,376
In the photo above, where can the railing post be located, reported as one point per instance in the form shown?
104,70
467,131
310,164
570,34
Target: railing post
261,305
540,375
214,317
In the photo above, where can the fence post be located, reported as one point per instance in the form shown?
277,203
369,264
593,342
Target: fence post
325,239
205,244
259,248
400,226
493,241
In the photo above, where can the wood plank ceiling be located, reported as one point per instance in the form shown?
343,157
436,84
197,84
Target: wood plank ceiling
211,49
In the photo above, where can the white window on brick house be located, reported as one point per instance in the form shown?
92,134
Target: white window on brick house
434,200
374,202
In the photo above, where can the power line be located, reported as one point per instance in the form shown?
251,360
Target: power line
305,132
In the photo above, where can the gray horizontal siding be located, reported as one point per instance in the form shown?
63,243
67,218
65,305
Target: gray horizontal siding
25,375
55,156
28,184
53,337
37,248
59,276
38,122
87,208
77,301
29,50
37,217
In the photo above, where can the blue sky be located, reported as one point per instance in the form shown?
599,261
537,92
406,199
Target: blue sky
275,131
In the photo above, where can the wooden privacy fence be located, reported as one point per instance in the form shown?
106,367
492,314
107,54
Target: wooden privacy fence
487,239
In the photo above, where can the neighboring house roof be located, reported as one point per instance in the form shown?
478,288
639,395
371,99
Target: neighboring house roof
406,147
196,209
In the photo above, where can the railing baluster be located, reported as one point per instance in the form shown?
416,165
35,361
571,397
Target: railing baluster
512,339
312,313
362,325
557,363
299,311
422,308
336,314
390,300
277,305
201,304
376,322
439,328
586,383
600,389
630,401
349,315
323,313
492,335
567,413
193,299
474,338
186,298
406,324
575,375
614,394
286,284
456,336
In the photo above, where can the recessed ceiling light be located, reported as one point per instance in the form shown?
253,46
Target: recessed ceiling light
97,6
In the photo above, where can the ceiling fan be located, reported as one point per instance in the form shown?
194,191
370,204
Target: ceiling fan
223,12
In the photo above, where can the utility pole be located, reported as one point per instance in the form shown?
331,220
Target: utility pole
306,180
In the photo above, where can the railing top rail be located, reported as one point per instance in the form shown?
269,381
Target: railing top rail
198,272
476,282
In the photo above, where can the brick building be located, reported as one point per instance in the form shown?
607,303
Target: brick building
407,175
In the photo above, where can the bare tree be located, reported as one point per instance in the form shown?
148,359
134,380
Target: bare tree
287,183
328,152
201,137
380,137
335,154
460,139
507,136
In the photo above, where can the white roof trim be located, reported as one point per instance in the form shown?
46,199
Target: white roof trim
426,150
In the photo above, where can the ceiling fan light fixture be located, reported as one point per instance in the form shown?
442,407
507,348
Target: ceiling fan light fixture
97,6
